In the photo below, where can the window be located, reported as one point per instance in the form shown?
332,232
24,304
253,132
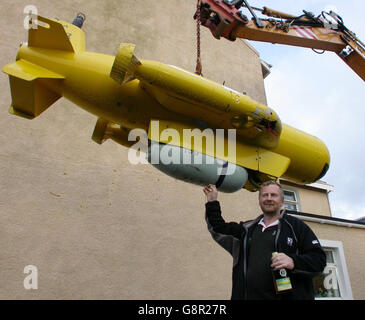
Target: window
334,282
291,200
326,285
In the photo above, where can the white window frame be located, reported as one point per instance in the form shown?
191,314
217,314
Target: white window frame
296,194
343,278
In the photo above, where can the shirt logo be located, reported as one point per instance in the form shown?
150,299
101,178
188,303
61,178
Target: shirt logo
314,242
290,241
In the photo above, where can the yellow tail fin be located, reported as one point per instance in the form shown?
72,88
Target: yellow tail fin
56,35
30,88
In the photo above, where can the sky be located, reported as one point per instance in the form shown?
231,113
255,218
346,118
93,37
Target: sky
321,95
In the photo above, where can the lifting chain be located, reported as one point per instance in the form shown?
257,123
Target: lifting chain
198,69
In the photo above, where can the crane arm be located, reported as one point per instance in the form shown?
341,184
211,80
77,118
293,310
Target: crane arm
327,32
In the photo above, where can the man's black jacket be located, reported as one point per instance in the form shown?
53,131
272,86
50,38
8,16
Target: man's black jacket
294,238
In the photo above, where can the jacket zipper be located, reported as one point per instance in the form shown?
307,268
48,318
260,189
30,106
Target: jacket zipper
277,237
245,254
245,260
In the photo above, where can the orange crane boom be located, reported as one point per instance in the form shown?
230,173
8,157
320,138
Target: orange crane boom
225,18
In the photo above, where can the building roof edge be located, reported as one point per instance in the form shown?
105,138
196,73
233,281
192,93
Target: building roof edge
327,220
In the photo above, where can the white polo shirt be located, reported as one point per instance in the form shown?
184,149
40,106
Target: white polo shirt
276,222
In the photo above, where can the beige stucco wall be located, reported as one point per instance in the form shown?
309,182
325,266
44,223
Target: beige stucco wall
315,202
96,226
311,200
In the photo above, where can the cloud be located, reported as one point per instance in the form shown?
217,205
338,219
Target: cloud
344,210
323,97
330,7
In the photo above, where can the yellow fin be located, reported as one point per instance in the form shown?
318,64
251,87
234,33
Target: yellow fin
29,93
49,34
125,64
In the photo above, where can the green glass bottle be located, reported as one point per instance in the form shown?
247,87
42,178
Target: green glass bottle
281,279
